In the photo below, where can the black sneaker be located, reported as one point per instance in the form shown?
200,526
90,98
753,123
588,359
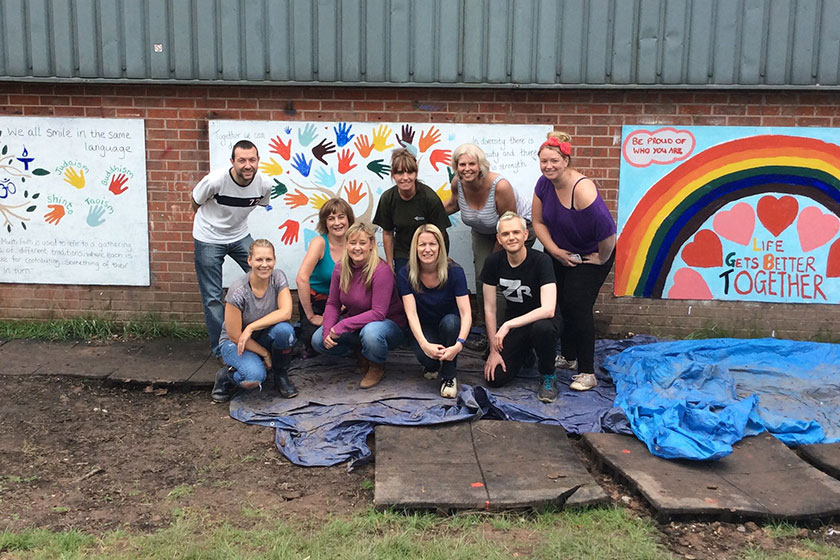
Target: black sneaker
547,392
225,386
477,344
284,385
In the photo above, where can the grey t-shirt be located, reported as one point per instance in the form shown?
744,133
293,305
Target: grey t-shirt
242,297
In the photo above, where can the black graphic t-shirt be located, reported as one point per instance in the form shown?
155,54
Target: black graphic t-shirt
520,285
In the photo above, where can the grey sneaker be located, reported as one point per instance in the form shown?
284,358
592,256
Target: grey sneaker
449,388
479,344
561,362
547,392
583,382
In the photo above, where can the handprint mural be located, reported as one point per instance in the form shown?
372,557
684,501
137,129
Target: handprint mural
311,162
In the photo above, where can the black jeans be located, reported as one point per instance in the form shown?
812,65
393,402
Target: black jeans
445,333
577,290
307,329
540,336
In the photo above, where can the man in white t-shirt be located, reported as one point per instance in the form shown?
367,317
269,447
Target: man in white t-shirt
222,201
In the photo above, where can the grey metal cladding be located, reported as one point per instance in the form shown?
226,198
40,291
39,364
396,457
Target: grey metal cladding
472,43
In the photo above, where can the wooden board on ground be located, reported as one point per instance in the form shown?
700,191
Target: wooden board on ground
761,478
78,359
824,456
484,464
163,361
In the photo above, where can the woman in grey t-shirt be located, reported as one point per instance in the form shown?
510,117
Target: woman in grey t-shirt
256,335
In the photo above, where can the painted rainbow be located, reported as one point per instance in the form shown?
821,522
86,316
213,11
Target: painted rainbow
677,205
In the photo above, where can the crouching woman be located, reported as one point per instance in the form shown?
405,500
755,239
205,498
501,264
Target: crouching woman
256,335
373,321
437,306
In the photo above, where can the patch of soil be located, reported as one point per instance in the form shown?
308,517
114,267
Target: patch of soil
92,456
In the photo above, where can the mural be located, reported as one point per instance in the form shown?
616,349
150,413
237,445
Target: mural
729,213
73,201
309,163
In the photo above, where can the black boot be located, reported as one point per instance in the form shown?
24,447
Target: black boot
280,367
225,386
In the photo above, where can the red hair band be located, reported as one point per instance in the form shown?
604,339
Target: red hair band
564,147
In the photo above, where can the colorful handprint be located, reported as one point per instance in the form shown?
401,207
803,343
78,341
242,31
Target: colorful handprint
282,149
291,234
306,135
318,200
380,138
440,156
271,167
73,178
381,169
297,199
302,165
55,214
95,215
322,149
279,189
363,145
354,192
342,134
345,161
429,138
116,186
325,179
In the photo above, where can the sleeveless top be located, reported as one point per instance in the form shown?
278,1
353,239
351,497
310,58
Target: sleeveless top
319,280
485,219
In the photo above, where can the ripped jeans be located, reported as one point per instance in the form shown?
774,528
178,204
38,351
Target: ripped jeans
249,366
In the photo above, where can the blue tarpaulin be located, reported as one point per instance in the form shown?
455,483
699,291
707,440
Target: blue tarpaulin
693,399
330,420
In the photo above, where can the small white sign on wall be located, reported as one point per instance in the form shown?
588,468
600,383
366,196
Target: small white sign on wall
73,201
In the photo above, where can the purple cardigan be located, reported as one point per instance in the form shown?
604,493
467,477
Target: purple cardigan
363,305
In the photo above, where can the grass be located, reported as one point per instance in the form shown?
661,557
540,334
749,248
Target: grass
598,533
92,328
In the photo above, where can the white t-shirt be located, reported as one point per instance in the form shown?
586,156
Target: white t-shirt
222,216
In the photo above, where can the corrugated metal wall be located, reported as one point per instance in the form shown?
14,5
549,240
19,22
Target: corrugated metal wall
527,43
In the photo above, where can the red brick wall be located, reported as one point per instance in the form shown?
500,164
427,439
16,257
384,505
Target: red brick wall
177,155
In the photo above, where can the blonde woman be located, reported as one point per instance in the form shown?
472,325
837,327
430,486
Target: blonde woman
576,228
373,320
437,305
256,335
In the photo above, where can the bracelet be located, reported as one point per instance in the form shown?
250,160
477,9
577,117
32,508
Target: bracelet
461,340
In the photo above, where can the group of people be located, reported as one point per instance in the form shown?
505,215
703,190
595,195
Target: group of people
352,303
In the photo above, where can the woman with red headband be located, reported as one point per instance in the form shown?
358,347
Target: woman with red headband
576,228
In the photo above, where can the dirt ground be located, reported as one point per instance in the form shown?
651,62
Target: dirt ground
93,456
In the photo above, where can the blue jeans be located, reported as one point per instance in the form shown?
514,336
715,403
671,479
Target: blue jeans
445,333
249,366
375,340
208,268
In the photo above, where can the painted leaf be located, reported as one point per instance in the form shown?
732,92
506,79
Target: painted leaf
31,208
40,171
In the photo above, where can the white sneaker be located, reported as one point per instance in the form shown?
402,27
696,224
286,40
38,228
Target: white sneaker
583,382
430,374
449,388
562,363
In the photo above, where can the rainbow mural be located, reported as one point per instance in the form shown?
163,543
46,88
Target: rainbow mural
671,214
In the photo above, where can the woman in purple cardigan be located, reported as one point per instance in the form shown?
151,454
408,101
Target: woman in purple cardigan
373,320
576,228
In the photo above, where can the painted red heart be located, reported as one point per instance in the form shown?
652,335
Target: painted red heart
776,214
688,284
705,251
832,267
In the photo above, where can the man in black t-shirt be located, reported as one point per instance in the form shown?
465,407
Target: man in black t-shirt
527,280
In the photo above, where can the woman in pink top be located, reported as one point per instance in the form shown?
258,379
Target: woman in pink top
373,320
